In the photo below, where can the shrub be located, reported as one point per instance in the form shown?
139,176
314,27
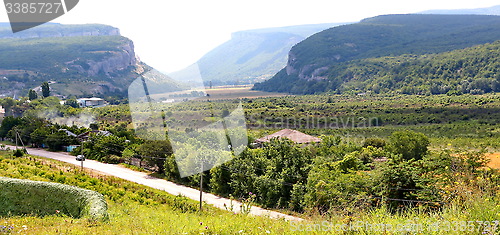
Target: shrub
26,197
410,144
18,153
375,142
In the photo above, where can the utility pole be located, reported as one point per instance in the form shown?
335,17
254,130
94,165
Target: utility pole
20,139
201,186
16,138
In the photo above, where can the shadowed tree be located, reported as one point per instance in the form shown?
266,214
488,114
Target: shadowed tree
32,95
45,89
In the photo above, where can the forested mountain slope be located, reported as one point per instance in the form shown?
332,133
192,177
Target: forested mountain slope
316,64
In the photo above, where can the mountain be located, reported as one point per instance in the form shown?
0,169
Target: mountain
494,10
77,59
252,55
314,64
474,70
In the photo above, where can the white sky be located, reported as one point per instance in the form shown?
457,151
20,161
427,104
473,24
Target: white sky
170,35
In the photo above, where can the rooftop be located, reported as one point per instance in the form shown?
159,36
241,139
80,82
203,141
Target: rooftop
293,135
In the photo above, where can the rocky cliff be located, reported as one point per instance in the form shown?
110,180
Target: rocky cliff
78,59
115,61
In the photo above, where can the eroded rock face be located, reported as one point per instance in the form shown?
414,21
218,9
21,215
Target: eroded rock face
115,61
119,60
307,72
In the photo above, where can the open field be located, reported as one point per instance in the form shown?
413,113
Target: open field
223,93
239,92
494,160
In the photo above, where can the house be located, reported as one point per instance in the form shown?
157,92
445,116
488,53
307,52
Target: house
69,133
85,136
91,102
294,135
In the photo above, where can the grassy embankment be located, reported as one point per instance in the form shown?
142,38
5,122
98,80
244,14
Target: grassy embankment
136,209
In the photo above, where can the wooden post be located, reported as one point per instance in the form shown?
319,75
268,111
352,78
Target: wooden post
16,139
201,187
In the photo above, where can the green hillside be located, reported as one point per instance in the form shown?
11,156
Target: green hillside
78,59
319,63
41,54
473,70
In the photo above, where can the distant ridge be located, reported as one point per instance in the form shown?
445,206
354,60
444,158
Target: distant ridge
251,55
494,10
59,30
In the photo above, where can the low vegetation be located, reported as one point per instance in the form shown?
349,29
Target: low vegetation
413,157
26,197
132,208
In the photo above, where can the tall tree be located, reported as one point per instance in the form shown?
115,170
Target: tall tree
45,89
32,95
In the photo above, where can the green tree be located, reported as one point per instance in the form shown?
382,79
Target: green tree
72,103
32,95
45,89
157,153
8,123
410,144
105,148
397,180
8,103
39,136
58,139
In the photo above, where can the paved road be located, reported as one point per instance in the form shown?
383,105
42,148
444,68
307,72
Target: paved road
145,179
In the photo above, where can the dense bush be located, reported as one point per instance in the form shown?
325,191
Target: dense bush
409,144
26,197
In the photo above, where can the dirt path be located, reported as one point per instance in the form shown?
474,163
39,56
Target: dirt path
167,186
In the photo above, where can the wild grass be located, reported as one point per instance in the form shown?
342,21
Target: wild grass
136,209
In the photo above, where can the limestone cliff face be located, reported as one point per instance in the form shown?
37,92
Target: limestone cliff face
113,61
307,72
118,61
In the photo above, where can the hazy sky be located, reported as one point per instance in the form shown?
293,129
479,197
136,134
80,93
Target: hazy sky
170,35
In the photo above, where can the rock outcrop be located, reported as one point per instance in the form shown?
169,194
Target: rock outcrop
118,61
